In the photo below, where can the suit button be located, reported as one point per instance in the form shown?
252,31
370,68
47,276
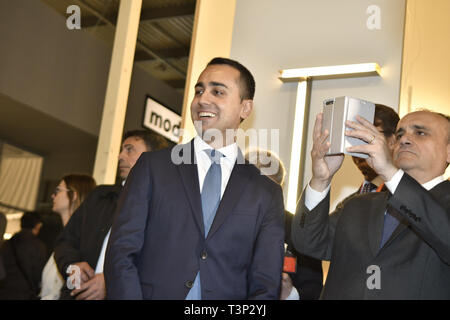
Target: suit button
189,284
204,255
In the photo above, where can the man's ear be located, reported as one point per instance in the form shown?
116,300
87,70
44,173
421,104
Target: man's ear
246,109
448,152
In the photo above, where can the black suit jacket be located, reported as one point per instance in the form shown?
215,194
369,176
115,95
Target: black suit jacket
23,268
308,278
157,242
413,264
83,236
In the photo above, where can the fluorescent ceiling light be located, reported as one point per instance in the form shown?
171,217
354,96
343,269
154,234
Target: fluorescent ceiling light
330,72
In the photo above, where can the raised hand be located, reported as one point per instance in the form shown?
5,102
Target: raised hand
380,159
323,167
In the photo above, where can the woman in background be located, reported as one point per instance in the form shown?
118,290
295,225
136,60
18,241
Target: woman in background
67,197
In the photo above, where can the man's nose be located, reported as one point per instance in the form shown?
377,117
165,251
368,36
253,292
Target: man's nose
204,99
405,139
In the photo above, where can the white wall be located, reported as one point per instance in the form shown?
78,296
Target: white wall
272,35
426,63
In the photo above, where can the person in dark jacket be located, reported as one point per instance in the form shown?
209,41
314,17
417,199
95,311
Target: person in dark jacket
3,223
305,280
79,252
24,257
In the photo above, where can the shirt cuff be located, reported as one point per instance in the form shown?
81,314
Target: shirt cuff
293,295
395,180
313,197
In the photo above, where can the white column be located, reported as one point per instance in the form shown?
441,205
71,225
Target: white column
298,145
116,98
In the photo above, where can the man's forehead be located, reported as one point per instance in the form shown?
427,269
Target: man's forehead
132,141
218,73
421,119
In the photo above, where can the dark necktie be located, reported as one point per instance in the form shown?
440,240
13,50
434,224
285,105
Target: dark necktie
390,223
211,192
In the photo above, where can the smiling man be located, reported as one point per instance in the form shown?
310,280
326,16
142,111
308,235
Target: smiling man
385,245
210,227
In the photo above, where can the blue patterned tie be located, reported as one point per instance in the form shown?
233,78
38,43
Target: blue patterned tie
211,192
211,189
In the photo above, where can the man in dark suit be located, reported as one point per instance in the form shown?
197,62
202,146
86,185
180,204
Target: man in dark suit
82,243
196,221
302,277
24,257
385,245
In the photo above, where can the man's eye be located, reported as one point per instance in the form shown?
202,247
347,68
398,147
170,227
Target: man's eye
198,91
420,133
218,92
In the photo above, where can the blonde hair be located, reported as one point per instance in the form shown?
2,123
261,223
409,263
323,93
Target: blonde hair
257,155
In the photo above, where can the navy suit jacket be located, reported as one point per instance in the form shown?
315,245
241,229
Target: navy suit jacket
157,243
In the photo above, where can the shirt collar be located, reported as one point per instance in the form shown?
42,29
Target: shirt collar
230,152
433,183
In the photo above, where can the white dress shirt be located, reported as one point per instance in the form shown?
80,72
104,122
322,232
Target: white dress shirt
227,162
313,197
101,257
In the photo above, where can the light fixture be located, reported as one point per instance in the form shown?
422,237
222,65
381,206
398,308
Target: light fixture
331,72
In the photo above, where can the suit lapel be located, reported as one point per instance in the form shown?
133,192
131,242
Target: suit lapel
189,177
376,220
239,178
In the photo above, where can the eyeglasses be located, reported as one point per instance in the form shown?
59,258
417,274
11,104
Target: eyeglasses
58,190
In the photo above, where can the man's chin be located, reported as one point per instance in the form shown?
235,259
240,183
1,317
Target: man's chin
404,163
123,175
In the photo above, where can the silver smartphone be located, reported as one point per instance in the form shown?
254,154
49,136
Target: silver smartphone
338,110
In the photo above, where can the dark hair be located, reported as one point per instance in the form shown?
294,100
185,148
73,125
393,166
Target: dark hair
81,184
30,219
386,118
152,140
247,82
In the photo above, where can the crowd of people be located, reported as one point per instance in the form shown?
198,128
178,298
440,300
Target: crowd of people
214,226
